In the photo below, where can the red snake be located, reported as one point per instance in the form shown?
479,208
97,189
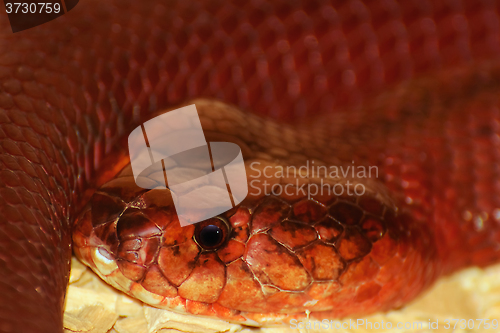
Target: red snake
417,82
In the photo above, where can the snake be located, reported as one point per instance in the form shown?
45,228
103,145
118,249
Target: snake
408,88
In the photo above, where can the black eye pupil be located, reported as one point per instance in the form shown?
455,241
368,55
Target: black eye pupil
211,235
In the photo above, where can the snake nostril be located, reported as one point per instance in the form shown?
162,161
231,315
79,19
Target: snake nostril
212,233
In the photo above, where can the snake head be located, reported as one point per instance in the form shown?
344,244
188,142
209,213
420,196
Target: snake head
269,258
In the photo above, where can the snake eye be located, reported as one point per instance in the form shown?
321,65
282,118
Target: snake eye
212,233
